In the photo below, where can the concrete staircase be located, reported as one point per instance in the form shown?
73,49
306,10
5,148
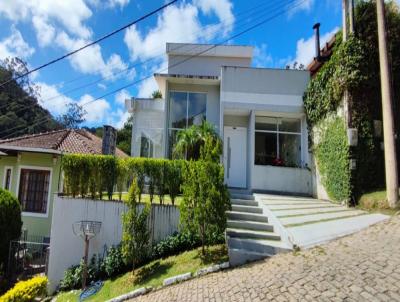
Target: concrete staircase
249,234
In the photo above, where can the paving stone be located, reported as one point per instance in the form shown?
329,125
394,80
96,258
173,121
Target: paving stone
362,267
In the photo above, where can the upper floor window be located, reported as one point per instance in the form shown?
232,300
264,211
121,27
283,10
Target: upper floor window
185,109
34,188
277,141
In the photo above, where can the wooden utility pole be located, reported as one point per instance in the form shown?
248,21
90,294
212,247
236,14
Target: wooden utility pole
392,191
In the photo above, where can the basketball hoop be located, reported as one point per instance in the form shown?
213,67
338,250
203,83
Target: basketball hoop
86,229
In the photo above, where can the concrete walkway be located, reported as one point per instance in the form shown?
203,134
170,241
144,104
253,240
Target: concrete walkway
362,267
308,221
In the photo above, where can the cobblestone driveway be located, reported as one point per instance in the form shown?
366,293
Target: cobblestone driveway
361,267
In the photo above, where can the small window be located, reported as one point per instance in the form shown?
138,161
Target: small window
146,147
34,190
7,180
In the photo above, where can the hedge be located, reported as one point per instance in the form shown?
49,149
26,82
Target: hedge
25,291
91,175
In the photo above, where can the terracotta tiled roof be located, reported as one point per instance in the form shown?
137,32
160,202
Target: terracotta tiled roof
326,51
67,140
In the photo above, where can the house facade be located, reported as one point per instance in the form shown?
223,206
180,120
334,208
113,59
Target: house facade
258,113
30,168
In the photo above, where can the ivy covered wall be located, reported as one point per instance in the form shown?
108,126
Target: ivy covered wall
354,66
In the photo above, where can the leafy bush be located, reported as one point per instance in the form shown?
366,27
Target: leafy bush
176,244
111,265
205,200
26,291
10,224
136,236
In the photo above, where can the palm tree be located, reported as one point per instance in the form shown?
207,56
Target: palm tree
193,139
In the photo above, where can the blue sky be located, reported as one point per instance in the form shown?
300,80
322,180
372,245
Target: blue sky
40,30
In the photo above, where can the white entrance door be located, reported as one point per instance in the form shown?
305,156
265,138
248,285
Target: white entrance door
235,156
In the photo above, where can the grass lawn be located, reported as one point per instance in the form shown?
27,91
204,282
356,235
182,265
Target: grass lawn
153,274
376,202
146,198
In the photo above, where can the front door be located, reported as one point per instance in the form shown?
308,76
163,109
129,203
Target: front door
235,156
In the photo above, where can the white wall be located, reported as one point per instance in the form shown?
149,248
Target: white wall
200,65
282,179
66,249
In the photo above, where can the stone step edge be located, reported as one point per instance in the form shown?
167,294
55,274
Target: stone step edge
272,234
293,225
314,213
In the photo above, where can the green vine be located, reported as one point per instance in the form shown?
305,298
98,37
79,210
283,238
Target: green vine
332,153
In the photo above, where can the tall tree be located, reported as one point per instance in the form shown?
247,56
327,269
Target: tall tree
20,110
74,116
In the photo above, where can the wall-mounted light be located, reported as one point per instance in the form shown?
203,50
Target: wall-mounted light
19,156
55,157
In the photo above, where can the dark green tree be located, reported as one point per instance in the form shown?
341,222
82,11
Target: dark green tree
20,110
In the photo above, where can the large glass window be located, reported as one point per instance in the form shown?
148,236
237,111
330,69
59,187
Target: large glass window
186,109
34,190
277,141
146,147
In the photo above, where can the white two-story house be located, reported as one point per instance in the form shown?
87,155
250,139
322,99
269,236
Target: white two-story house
258,112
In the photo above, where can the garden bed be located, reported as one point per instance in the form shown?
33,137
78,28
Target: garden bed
153,274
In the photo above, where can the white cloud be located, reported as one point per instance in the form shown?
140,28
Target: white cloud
305,50
121,96
90,60
115,3
179,23
261,56
52,99
44,31
120,118
97,111
305,5
15,46
71,14
221,8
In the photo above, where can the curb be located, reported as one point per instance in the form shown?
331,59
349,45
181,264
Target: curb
172,280
132,294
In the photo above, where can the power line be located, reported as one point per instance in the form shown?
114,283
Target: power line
281,12
63,94
91,43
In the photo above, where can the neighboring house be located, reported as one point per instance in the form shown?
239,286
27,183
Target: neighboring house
257,111
30,167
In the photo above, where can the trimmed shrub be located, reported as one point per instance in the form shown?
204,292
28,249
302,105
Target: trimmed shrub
10,224
176,244
26,291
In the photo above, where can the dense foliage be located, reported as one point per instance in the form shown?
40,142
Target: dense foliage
136,235
205,200
198,142
91,175
27,291
19,105
10,224
332,154
354,66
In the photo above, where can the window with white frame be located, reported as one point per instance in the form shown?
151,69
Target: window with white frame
7,178
185,109
33,192
277,141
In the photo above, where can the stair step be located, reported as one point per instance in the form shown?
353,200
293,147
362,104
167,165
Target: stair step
241,233
313,206
269,247
244,202
233,215
247,209
241,196
239,257
319,217
250,225
293,212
